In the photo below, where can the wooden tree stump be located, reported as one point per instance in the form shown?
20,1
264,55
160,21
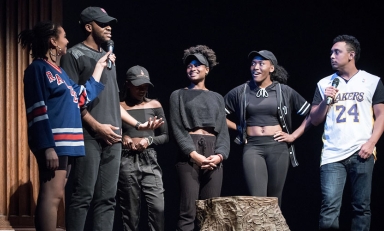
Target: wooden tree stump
240,213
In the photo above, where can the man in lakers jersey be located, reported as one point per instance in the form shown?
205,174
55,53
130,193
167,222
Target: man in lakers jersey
353,112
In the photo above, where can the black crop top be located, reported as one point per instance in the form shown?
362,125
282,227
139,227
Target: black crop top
143,115
191,109
262,111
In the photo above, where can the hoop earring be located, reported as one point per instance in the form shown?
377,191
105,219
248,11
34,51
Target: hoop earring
52,55
50,52
58,53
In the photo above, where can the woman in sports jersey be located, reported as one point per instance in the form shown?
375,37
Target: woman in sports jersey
199,126
139,170
263,108
53,104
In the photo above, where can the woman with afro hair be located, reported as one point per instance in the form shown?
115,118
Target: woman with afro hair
198,122
263,107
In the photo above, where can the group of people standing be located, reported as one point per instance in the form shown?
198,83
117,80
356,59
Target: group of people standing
76,119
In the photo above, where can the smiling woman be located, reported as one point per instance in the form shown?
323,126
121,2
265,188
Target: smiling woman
263,107
200,130
53,111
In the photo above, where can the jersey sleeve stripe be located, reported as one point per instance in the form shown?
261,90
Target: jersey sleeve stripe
303,110
35,105
83,98
37,119
37,112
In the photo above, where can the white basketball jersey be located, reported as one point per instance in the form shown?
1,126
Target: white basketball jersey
349,121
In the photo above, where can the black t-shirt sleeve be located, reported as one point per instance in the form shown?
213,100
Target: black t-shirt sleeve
300,104
231,101
378,96
317,97
69,63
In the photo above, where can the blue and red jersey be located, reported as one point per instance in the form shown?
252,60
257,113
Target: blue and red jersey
53,103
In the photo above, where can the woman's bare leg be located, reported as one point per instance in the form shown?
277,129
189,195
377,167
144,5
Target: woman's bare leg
50,194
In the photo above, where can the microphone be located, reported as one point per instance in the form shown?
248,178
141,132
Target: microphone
110,46
335,83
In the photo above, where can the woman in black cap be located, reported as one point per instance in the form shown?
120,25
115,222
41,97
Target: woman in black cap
263,107
139,170
199,126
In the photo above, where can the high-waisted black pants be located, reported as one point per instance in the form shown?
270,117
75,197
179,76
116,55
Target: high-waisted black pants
196,183
140,173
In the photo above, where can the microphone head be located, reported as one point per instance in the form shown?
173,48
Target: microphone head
110,43
335,82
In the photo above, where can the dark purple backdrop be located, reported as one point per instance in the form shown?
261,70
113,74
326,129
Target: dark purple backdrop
155,34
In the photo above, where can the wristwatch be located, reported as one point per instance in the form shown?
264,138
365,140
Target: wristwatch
137,125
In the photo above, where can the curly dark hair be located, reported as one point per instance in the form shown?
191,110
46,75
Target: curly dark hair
279,74
352,43
208,53
37,39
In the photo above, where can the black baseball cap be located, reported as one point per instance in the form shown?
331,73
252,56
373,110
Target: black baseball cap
199,57
138,75
97,14
265,54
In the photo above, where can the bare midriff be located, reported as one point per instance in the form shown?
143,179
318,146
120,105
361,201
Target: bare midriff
136,140
203,131
263,130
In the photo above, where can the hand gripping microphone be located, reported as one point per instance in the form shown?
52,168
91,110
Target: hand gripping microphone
335,83
110,46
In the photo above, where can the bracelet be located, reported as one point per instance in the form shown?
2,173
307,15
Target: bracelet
221,157
150,140
137,125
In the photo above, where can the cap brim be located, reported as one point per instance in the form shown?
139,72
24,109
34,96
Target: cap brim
197,57
141,81
267,55
252,54
105,19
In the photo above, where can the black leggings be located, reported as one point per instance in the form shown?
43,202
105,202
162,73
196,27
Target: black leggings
265,163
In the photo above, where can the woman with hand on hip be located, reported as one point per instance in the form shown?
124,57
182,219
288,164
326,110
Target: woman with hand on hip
263,107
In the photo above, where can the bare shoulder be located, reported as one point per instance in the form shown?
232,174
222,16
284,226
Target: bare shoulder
154,103
124,105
